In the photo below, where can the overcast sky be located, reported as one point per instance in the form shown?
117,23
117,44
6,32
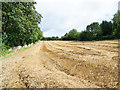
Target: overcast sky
60,16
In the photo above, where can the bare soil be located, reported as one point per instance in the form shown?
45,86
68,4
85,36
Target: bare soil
63,64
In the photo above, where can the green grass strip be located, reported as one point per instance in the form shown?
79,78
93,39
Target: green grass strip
12,53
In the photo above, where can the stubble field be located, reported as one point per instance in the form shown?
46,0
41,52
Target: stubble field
63,64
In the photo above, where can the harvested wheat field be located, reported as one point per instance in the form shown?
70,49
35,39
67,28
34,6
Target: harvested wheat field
63,64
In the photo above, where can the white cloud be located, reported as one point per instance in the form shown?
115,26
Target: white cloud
60,16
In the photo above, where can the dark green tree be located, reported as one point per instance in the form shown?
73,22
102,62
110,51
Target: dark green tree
20,23
72,35
106,28
94,30
116,24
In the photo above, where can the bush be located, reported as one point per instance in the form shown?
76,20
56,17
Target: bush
4,49
109,37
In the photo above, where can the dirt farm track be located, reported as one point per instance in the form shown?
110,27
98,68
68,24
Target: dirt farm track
63,64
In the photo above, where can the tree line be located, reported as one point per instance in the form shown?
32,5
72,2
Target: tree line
95,31
20,22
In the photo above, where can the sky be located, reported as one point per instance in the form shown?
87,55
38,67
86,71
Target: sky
61,16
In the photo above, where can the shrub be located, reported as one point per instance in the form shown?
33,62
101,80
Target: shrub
4,49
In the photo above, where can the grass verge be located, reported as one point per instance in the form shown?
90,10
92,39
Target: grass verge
11,53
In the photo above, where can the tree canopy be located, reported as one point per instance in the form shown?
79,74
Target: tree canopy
20,23
116,24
